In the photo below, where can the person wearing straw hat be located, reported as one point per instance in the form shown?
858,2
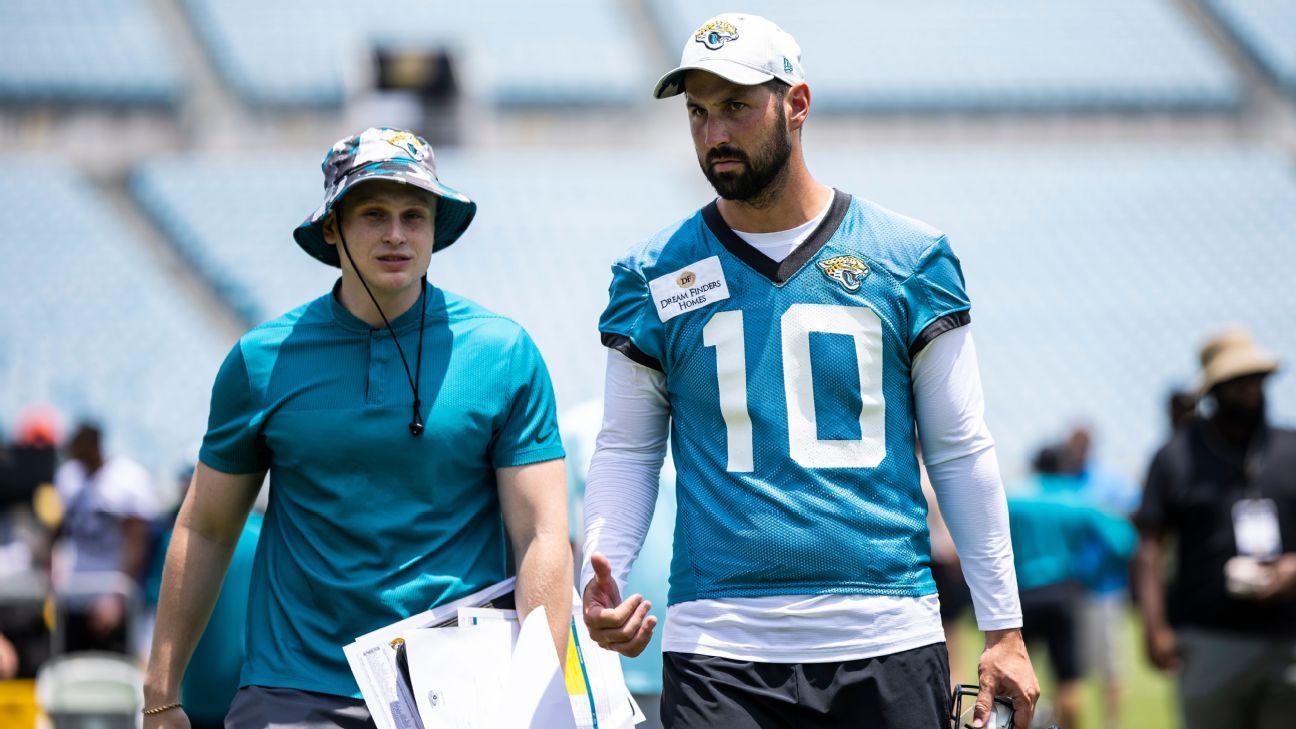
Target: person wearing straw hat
1224,488
412,445
788,337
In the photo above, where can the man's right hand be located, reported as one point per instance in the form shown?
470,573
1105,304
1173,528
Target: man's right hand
621,626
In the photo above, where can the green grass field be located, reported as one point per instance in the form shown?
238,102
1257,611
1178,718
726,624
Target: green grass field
1148,697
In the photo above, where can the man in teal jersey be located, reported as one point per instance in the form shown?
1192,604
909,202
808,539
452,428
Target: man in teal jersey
412,446
788,338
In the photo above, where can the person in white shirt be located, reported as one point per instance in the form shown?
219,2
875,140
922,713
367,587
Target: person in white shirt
108,505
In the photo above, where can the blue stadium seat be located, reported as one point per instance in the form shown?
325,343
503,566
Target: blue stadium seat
1267,29
1018,55
1095,272
311,53
92,324
85,52
233,219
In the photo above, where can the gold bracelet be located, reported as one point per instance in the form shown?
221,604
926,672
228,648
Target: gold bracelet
160,709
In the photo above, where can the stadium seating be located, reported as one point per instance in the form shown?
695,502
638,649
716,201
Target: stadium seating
233,219
1267,29
93,324
85,52
313,53
1095,272
1018,55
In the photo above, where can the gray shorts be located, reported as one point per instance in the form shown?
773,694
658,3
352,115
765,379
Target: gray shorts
1236,680
261,707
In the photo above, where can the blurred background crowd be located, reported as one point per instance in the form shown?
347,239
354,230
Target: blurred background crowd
1118,178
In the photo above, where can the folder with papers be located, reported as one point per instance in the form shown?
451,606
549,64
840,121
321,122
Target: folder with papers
471,665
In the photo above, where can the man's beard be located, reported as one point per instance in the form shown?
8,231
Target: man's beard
753,184
1239,415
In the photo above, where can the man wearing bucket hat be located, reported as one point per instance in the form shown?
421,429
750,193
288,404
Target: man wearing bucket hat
788,337
412,445
1224,487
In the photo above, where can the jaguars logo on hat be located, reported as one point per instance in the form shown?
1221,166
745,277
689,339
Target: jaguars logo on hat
845,270
715,34
404,140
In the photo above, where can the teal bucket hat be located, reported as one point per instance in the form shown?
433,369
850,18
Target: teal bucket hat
383,154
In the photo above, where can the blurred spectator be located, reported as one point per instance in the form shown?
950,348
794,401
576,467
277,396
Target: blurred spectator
39,426
108,504
1225,488
1061,543
27,464
26,470
1101,486
1181,406
1106,576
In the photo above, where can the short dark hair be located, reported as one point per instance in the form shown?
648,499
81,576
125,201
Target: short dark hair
777,86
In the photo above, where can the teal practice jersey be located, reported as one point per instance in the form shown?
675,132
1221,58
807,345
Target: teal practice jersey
792,414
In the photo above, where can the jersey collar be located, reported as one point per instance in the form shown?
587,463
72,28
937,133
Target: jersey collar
778,271
408,320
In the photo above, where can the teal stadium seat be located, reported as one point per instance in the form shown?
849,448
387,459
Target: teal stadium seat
93,324
307,53
86,52
1267,29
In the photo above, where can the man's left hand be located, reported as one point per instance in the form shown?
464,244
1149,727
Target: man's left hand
1005,670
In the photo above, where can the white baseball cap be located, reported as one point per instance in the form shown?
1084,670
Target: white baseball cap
744,49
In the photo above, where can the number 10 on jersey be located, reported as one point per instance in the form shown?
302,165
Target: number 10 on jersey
725,332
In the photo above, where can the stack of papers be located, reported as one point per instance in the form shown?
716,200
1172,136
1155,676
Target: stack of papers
463,666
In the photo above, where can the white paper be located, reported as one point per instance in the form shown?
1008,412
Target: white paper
483,670
613,704
535,692
374,667
373,660
458,673
472,616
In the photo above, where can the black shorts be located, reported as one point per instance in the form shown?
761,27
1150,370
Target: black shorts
1049,615
906,690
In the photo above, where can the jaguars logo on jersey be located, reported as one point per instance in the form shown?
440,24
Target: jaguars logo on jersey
845,270
715,34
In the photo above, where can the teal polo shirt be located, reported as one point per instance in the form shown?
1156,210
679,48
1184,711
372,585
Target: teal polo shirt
366,523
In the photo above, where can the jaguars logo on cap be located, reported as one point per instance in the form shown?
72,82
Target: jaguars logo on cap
845,270
404,140
715,34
